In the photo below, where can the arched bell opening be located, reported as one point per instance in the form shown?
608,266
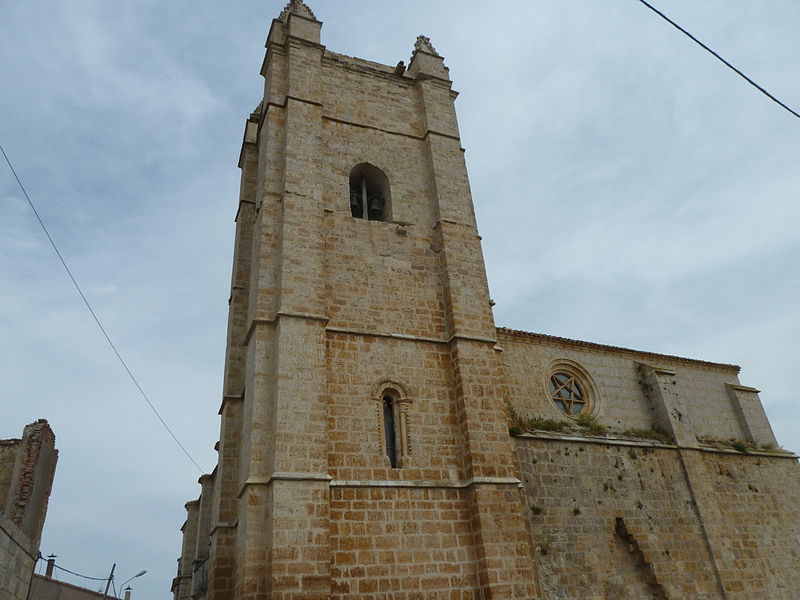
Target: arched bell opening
370,197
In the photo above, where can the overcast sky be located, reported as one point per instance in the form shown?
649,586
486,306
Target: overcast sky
630,190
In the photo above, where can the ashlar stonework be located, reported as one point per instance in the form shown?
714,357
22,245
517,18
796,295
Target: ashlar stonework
381,438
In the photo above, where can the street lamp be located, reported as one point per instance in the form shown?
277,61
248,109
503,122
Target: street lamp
139,574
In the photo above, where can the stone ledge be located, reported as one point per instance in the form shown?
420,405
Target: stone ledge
743,388
409,337
229,398
264,481
254,323
426,483
364,66
640,443
427,133
329,117
608,441
219,526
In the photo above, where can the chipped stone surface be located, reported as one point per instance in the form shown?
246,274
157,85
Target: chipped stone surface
708,525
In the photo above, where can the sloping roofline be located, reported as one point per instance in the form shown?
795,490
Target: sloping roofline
641,354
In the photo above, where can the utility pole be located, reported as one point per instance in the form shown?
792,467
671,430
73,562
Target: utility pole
110,577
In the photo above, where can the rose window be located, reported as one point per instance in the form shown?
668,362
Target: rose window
567,393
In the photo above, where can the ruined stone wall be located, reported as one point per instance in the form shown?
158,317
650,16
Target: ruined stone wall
9,449
27,467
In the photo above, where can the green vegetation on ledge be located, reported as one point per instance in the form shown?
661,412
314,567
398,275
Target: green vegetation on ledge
742,446
581,425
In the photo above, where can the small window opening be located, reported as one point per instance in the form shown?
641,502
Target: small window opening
389,429
369,193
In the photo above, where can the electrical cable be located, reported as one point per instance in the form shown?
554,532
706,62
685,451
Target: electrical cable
79,575
718,57
31,579
94,316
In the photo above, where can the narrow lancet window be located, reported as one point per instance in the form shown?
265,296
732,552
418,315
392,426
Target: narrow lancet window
392,402
369,193
389,429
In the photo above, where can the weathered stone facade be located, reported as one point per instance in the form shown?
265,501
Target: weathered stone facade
27,467
366,448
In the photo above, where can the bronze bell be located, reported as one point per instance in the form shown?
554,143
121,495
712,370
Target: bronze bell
355,203
375,206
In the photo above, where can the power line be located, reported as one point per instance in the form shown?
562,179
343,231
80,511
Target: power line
79,575
718,57
94,316
31,579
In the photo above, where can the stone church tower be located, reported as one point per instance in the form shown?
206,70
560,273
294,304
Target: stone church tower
365,448
363,431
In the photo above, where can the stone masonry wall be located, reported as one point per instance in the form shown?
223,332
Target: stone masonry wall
381,276
356,364
375,269
8,456
401,543
17,559
386,539
620,401
367,93
576,492
750,510
631,522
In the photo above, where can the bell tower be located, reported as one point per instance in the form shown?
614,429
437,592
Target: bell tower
364,447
